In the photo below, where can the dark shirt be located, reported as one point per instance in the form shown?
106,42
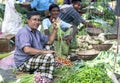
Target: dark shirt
69,14
67,1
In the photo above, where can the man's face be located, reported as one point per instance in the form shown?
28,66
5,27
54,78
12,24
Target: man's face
77,6
55,12
34,22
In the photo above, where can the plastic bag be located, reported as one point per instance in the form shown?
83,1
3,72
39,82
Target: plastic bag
12,21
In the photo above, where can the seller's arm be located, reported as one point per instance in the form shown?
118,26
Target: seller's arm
74,31
53,34
78,19
70,37
33,51
68,26
87,24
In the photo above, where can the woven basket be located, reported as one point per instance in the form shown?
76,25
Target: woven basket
94,31
102,47
87,54
110,36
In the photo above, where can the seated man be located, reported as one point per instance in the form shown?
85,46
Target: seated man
30,54
66,31
71,14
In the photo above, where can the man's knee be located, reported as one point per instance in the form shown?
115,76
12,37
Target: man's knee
50,57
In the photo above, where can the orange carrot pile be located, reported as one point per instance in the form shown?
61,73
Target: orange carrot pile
64,61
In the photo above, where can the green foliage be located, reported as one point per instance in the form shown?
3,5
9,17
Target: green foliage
62,71
88,75
61,47
25,78
20,9
3,55
82,32
85,3
22,12
74,43
2,10
109,16
60,33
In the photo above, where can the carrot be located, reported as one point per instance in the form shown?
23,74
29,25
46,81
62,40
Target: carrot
64,61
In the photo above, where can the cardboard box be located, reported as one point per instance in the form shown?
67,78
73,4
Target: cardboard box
7,42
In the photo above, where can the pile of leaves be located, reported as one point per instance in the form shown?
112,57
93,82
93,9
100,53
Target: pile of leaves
81,72
96,74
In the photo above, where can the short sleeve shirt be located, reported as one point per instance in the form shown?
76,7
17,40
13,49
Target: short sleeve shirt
46,23
27,37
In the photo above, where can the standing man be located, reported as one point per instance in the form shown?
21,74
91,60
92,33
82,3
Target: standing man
30,54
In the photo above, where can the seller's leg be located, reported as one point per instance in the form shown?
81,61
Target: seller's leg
40,63
46,66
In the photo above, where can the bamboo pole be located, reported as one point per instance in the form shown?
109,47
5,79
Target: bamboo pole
118,41
117,13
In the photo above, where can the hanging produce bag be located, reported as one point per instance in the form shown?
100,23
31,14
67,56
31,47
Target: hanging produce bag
12,21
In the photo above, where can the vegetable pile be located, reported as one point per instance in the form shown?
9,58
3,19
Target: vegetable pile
86,74
63,61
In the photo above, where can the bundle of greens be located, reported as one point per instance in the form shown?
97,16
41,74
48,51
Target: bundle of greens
24,78
61,46
95,74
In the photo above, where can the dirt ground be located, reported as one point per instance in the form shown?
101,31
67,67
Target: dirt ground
8,75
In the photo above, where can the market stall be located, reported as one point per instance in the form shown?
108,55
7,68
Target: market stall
96,59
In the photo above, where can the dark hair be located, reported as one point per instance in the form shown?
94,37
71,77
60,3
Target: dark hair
32,13
53,6
75,1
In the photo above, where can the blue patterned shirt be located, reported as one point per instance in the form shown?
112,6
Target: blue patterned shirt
69,14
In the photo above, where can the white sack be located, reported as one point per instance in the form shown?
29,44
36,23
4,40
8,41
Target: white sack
12,21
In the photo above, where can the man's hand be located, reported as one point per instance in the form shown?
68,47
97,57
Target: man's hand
48,52
55,27
53,34
68,39
87,24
